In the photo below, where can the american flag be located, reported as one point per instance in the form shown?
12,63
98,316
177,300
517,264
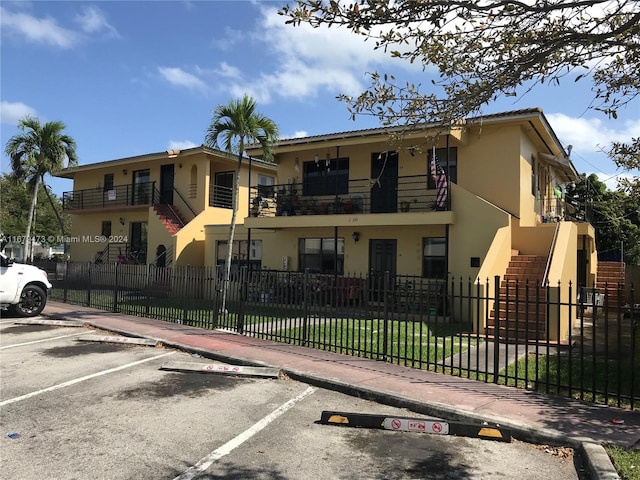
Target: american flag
440,178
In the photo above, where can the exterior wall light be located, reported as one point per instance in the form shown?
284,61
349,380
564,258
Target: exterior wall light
356,236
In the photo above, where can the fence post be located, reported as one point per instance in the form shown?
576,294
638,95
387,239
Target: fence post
147,303
305,307
185,290
496,330
387,294
88,284
66,280
115,288
242,277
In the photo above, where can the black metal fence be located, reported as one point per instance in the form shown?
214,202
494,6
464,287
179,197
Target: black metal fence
582,343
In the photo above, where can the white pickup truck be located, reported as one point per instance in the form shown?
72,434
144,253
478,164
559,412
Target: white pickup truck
23,288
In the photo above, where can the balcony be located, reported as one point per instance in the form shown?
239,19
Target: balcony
139,194
553,209
363,196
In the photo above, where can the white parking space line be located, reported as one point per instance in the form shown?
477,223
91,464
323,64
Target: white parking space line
81,379
42,340
231,445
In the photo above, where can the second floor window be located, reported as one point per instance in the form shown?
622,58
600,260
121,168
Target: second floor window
108,182
265,186
449,165
326,177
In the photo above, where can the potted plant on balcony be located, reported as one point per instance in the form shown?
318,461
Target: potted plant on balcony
347,206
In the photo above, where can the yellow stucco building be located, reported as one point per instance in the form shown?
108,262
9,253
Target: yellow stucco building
354,203
153,208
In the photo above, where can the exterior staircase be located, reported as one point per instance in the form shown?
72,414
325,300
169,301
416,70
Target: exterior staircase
611,277
522,314
170,217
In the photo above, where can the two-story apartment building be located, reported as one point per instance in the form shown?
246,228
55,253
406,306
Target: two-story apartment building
153,208
353,203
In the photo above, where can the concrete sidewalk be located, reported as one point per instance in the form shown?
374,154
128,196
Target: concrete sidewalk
532,417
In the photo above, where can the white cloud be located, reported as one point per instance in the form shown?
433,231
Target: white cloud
590,135
93,20
181,144
310,61
181,78
11,112
37,30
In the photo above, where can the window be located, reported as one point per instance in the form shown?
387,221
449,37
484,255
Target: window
106,228
326,177
319,255
265,186
221,192
434,260
142,187
108,182
450,166
239,253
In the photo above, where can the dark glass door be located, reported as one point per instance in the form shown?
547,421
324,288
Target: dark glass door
384,173
138,244
166,184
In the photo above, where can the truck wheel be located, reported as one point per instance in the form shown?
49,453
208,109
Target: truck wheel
32,301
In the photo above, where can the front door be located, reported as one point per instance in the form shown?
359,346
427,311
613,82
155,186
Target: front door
382,259
166,184
384,174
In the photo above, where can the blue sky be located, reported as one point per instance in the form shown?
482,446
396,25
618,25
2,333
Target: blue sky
129,78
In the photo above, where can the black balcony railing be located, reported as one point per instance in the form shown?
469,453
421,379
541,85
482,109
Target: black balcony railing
554,209
220,196
363,196
119,196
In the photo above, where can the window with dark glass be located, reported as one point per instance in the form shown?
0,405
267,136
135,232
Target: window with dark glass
241,254
106,228
265,186
434,260
326,177
320,255
449,165
221,192
108,182
142,187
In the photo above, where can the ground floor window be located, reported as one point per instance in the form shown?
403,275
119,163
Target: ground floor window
241,255
434,257
320,255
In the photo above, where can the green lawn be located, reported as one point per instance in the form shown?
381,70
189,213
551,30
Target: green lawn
593,374
626,461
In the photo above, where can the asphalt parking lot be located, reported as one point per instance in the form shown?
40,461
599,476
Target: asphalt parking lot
105,410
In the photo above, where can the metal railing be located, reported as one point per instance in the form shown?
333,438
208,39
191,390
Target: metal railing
411,321
362,196
118,196
220,196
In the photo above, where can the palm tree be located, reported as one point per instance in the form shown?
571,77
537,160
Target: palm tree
39,150
232,128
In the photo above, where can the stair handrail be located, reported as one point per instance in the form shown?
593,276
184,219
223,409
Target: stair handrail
185,201
176,215
545,277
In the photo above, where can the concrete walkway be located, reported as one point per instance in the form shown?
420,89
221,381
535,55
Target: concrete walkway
531,416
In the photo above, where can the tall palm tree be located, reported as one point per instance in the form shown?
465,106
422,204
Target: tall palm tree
37,151
232,128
